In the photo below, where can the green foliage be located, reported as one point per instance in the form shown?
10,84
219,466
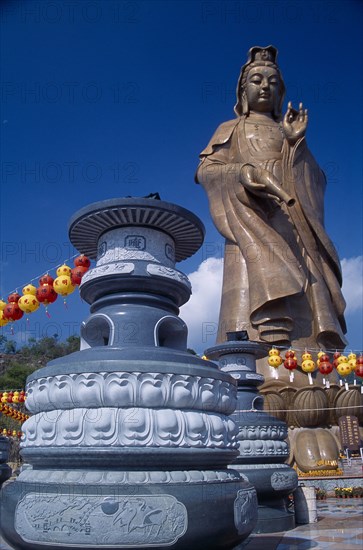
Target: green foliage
7,346
17,365
15,376
8,424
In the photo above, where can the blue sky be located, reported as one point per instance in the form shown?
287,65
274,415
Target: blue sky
115,98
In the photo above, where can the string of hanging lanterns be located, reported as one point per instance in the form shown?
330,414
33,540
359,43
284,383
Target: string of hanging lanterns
46,293
343,364
13,396
18,398
11,433
13,413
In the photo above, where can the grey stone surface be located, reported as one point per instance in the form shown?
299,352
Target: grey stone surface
5,470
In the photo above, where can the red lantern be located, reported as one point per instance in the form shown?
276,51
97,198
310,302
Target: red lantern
46,280
359,367
325,367
13,312
290,354
13,298
77,274
46,294
22,396
82,261
290,363
336,356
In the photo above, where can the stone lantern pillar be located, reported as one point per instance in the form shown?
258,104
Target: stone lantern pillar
131,437
263,449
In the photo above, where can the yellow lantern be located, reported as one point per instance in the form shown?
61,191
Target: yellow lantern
2,305
29,289
16,397
5,432
308,365
342,359
4,398
274,351
275,361
64,270
3,320
28,303
63,285
344,369
352,360
306,357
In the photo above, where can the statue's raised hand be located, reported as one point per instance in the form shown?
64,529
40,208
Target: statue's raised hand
295,123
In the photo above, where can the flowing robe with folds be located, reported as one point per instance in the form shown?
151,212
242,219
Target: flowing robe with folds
281,271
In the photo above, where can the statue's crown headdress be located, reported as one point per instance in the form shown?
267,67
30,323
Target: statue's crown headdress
262,54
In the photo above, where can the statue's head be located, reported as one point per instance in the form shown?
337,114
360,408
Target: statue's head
261,61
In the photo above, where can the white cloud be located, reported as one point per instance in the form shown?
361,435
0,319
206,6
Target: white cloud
202,310
353,283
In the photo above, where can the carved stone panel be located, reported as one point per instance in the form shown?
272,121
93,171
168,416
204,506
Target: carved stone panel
96,521
245,510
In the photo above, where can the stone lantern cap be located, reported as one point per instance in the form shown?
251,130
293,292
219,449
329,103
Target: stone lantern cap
91,222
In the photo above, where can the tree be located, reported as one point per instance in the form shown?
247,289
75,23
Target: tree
15,377
7,346
18,365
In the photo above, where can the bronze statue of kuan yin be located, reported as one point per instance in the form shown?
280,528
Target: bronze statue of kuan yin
282,277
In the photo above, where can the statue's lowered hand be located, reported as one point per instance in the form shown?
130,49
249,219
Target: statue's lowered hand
262,183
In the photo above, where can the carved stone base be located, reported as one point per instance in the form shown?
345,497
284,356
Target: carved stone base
274,516
262,445
128,509
273,483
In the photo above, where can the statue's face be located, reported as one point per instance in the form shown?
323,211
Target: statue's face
262,89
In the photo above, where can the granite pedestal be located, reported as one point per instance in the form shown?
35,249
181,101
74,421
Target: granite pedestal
263,449
131,437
